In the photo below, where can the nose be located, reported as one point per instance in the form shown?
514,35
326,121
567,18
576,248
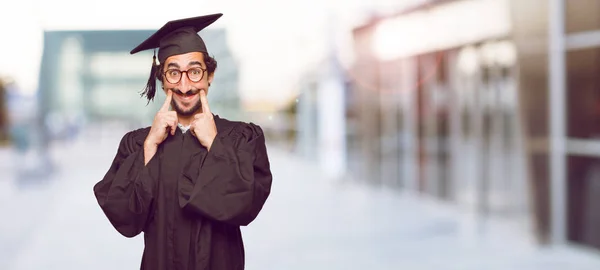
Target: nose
185,84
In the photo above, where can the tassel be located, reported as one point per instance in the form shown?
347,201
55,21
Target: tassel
150,89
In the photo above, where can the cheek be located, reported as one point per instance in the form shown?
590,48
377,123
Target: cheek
167,85
201,84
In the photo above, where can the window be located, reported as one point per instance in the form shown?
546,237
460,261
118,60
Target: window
582,15
583,93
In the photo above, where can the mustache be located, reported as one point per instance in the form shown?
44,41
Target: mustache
191,92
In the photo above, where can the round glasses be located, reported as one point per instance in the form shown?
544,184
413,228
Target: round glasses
174,75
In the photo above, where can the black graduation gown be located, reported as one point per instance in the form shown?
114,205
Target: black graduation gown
190,203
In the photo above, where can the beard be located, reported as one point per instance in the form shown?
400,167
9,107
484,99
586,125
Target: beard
191,111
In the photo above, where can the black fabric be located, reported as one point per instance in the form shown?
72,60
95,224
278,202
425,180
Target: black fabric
188,202
178,37
180,41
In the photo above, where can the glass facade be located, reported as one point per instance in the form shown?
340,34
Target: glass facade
471,124
582,27
581,15
583,95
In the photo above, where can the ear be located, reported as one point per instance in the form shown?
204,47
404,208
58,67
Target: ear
210,78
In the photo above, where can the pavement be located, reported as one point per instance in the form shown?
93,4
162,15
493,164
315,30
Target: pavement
309,222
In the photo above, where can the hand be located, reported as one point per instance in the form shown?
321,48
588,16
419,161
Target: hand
203,126
164,121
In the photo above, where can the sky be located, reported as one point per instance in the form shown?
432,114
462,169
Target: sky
274,41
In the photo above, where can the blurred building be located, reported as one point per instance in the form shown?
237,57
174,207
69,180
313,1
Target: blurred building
4,124
321,132
90,76
438,109
463,100
224,93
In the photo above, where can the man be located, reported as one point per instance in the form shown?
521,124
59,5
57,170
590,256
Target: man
191,179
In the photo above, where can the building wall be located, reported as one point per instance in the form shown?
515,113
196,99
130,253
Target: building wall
582,28
445,121
531,39
92,74
224,91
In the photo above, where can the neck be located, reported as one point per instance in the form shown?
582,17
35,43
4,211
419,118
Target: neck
185,120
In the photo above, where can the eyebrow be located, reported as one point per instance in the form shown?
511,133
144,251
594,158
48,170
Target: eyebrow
193,63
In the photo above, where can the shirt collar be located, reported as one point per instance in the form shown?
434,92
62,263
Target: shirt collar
183,128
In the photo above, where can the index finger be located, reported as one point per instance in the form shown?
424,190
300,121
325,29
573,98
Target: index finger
165,106
205,108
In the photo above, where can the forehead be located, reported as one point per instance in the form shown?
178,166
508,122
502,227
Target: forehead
185,59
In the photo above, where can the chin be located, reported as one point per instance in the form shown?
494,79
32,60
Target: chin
189,110
185,112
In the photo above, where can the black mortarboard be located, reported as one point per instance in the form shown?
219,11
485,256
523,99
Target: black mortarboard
175,37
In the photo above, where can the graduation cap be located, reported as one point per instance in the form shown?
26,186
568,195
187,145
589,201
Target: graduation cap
173,38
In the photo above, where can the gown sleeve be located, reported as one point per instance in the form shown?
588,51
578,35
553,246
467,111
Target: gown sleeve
126,192
234,180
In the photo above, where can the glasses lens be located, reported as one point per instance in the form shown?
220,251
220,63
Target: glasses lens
195,74
173,75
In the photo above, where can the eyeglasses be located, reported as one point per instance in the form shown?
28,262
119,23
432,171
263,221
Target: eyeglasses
174,75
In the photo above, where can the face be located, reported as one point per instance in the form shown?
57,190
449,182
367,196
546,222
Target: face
186,92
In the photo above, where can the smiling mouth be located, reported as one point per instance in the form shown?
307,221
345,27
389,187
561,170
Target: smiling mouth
187,98
186,94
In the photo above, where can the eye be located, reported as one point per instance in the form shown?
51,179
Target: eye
195,71
173,72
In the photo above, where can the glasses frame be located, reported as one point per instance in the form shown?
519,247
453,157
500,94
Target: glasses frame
186,74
